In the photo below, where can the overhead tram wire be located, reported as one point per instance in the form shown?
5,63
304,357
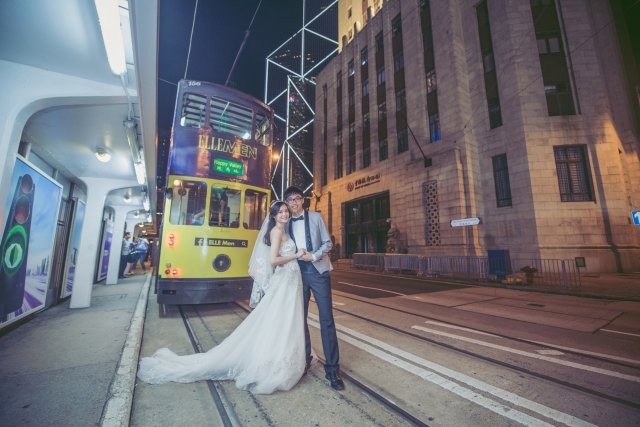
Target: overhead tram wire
244,41
193,24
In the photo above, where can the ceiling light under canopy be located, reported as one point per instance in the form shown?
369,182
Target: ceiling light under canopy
103,155
109,17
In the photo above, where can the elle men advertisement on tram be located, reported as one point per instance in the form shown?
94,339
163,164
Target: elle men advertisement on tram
72,255
26,248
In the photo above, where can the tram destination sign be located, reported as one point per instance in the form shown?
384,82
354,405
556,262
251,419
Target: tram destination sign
228,243
228,167
466,222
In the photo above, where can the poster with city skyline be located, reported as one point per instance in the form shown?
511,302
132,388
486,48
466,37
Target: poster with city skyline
74,245
30,219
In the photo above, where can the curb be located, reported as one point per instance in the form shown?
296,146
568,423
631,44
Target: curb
117,409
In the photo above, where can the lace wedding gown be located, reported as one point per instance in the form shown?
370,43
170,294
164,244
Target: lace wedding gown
265,353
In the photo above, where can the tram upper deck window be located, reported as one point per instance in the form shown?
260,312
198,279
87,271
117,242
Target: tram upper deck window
193,110
263,130
228,117
255,209
188,202
224,207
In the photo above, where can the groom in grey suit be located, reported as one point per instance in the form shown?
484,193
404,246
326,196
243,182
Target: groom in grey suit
308,231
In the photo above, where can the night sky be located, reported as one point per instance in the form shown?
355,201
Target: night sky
219,30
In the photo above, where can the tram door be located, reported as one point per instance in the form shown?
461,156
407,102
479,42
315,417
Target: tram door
366,225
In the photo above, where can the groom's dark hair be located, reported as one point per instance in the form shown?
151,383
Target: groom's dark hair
292,191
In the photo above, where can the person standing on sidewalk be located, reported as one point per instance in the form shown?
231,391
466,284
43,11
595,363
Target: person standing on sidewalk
123,254
141,247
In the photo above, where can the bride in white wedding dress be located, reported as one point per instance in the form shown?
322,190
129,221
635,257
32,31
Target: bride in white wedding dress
266,352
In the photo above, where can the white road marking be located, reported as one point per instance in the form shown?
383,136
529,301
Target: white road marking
461,328
618,332
591,353
449,385
532,355
376,289
457,376
550,352
338,303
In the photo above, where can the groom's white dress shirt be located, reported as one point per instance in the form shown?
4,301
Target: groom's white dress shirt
299,234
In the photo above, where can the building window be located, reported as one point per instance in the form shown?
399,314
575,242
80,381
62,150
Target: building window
366,157
559,99
365,88
432,83
401,99
383,150
434,127
489,66
573,174
339,108
349,12
396,26
339,79
381,77
379,42
555,71
352,164
339,156
352,130
366,122
501,181
382,111
403,141
350,33
398,62
364,56
351,68
424,4
352,99
427,40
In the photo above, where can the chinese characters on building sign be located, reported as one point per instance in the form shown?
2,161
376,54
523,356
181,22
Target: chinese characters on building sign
363,182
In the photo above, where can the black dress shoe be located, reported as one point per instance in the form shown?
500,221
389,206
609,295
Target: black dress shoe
306,368
335,380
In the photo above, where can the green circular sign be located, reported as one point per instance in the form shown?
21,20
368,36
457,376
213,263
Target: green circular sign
14,250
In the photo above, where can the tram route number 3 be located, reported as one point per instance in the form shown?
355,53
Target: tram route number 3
230,243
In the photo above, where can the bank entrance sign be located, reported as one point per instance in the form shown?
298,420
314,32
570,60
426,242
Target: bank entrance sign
466,222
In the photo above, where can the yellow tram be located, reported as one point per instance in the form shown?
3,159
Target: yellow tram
217,194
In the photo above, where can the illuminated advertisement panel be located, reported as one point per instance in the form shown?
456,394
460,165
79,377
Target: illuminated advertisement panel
26,248
72,250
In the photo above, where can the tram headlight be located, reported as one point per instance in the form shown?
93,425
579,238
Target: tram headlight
221,263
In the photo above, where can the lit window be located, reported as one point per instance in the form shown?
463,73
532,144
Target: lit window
364,56
432,83
351,68
434,127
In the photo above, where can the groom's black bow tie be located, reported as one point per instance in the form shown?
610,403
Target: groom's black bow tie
298,218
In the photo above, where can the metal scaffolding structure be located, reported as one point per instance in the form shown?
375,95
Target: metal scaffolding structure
290,91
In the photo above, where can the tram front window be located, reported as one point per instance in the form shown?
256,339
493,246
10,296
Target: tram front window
255,209
228,117
193,110
224,208
188,202
263,130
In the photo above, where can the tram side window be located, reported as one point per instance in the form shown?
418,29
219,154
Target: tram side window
188,203
255,209
228,117
193,110
224,208
263,130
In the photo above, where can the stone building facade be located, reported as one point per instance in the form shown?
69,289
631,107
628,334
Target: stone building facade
521,113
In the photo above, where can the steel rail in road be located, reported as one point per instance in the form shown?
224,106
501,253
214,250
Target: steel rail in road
225,410
370,392
490,359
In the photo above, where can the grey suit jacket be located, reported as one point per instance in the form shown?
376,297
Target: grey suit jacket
320,241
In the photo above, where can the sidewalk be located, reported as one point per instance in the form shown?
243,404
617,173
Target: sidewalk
57,369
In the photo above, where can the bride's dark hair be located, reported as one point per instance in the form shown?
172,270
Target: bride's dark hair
273,211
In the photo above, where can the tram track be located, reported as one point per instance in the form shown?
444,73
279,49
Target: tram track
492,360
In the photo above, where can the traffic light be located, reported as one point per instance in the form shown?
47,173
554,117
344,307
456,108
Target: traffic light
15,246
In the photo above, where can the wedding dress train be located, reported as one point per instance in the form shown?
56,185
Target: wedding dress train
265,353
